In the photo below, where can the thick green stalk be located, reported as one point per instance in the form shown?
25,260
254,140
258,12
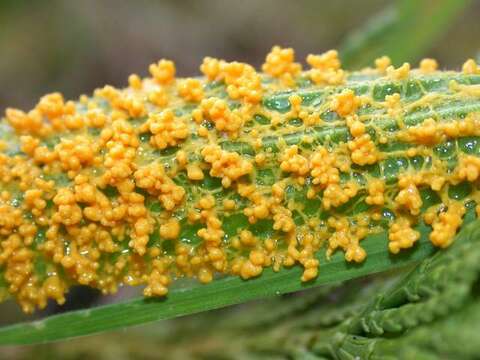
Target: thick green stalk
445,103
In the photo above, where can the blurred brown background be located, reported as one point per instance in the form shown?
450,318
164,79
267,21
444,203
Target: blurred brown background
75,46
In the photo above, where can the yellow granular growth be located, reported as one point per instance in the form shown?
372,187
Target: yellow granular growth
468,168
194,172
382,64
293,162
135,82
166,129
401,235
356,127
191,90
336,195
345,103
446,225
295,101
170,229
348,239
280,63
231,173
399,73
153,178
158,97
376,190
326,61
470,67
363,150
409,196
324,168
431,132
326,68
227,165
163,72
427,132
210,67
428,66
242,81
393,104
217,111
76,153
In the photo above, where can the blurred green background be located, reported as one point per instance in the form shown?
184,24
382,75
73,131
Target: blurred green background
76,46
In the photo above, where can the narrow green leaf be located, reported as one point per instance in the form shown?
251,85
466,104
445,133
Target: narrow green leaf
220,293
404,31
